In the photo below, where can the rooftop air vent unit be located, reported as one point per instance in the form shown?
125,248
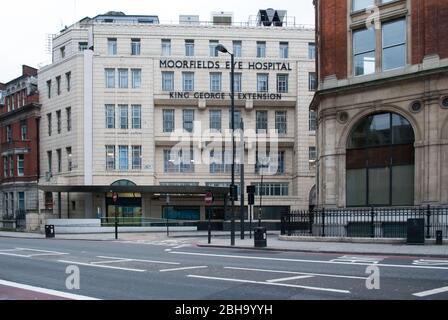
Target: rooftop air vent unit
271,17
222,18
188,19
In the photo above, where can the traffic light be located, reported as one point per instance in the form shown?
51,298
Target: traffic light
251,195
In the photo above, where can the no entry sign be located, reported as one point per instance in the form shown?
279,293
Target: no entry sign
115,197
209,199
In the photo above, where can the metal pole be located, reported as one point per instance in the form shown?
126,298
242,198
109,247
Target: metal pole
261,198
242,179
250,222
209,227
232,99
166,215
116,222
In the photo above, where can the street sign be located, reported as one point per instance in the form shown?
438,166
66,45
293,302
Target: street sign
209,198
115,197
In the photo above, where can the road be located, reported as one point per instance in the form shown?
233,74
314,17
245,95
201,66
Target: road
179,270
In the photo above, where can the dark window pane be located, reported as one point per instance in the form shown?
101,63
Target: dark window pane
378,157
356,187
403,186
356,159
402,131
379,186
379,130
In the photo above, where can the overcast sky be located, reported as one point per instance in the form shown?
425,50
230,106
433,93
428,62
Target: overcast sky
25,23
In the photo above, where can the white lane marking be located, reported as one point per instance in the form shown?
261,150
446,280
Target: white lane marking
302,273
354,259
271,284
424,262
110,261
9,252
289,278
100,266
140,260
431,292
168,250
186,268
46,291
182,246
307,261
15,255
43,251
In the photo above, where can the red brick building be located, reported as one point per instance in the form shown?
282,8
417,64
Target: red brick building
19,147
382,102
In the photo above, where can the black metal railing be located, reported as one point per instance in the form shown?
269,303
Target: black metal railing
366,223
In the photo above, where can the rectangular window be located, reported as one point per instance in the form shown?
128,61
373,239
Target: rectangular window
237,82
49,89
213,52
189,48
282,83
364,46
262,121
221,162
166,47
123,78
123,161
281,122
284,50
136,158
82,46
62,50
237,119
188,120
21,201
112,46
188,81
6,203
136,116
68,112
237,49
110,116
168,121
272,189
135,47
23,130
215,120
11,166
215,82
12,204
110,78
69,158
136,78
58,120
178,163
50,161
123,116
312,81
394,44
262,82
49,123
261,49
281,163
68,78
110,158
20,165
8,133
168,81
58,84
5,167
312,154
311,51
361,4
59,159
312,121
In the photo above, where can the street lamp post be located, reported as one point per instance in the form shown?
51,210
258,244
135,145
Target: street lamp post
262,166
223,49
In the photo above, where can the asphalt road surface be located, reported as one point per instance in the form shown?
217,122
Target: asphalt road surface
179,270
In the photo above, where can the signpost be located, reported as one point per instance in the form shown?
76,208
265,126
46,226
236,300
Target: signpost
115,199
208,203
251,201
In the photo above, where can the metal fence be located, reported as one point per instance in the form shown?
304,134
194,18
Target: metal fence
366,223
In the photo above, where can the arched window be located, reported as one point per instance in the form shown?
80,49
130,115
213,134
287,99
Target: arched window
124,183
380,162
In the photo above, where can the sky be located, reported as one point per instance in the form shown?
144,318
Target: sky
25,24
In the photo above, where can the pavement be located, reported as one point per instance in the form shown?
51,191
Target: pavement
222,240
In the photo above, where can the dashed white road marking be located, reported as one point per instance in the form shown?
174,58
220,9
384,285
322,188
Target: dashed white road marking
354,259
46,291
431,292
20,252
100,266
111,261
140,260
181,269
424,262
182,246
271,284
289,278
299,273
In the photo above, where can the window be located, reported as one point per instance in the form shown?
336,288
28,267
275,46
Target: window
136,157
364,51
59,159
12,204
394,44
50,161
237,119
83,46
68,77
112,46
110,116
8,133
58,120
62,50
136,116
5,167
20,165
262,121
110,78
180,162
168,120
135,47
237,49
123,78
58,84
23,130
188,81
221,162
215,120
237,82
312,153
6,203
110,158
262,82
311,51
49,123
284,50
213,52
312,121
261,49
123,158
188,120
215,82
361,4
11,166
21,201
281,122
123,116
189,48
49,89
166,47
136,78
68,150
168,81
282,83
312,82
68,112
272,189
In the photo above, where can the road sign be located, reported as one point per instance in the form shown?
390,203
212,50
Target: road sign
115,197
209,198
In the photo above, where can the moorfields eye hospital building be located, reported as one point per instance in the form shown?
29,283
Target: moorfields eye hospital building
123,91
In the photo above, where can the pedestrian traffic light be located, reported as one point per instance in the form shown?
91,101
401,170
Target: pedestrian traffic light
234,192
251,199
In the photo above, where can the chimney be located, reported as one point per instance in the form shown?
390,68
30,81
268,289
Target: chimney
29,71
